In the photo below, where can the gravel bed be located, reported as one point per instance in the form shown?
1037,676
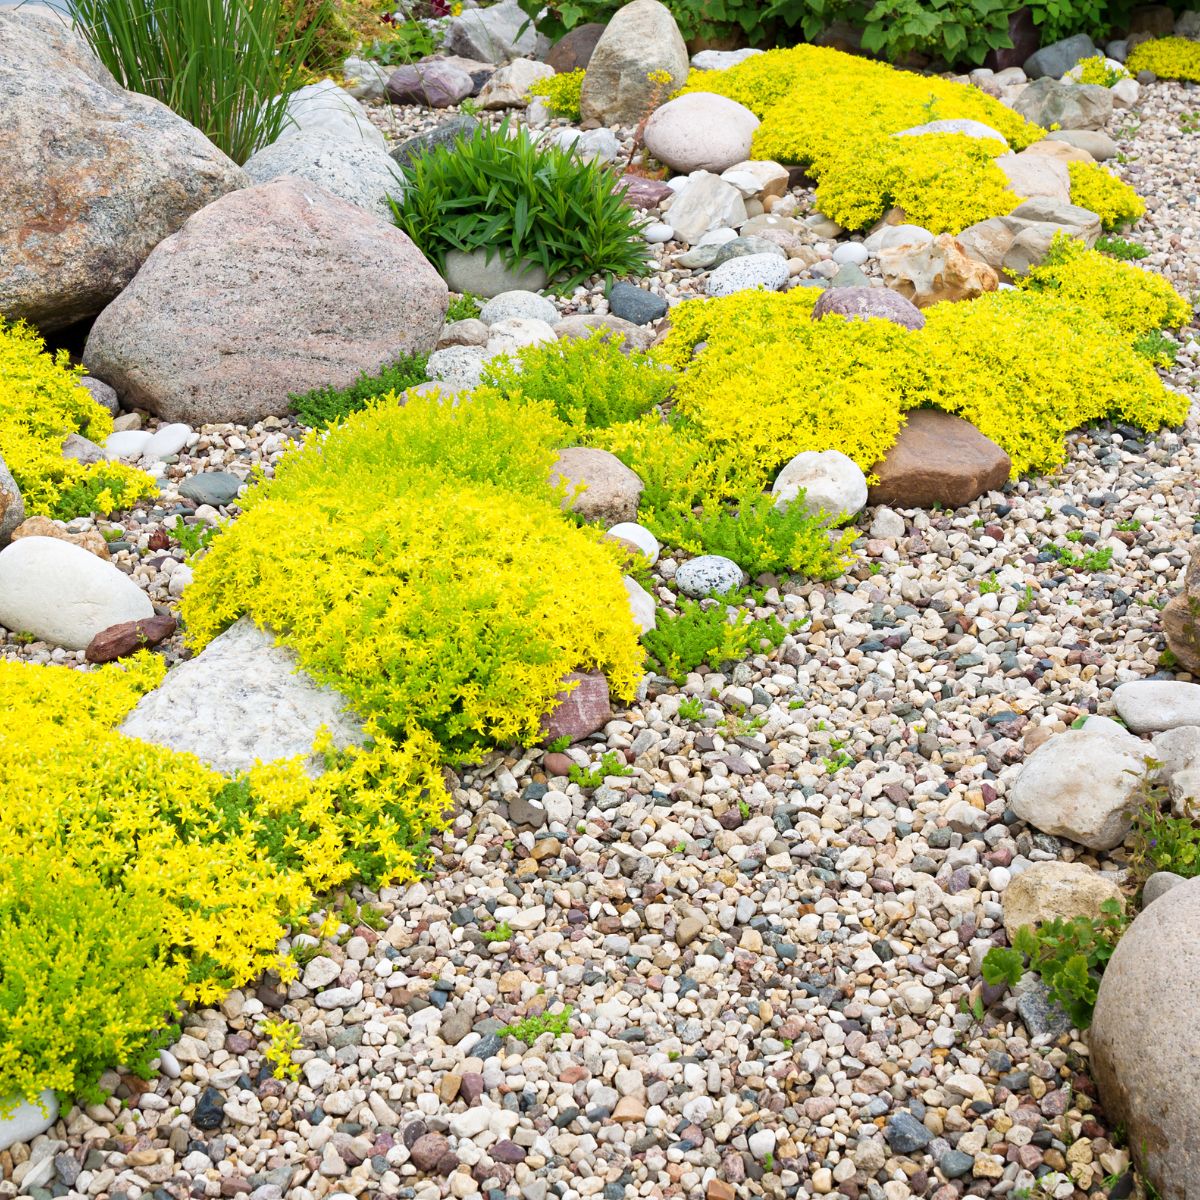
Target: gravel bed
768,934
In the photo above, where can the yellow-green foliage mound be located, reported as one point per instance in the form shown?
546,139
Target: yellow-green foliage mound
1025,367
417,559
1169,58
1101,192
41,402
835,114
1134,301
134,879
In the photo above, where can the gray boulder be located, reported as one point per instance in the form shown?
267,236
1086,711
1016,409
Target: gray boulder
1059,57
1047,102
273,290
863,303
1152,705
362,174
1080,785
474,272
494,34
641,38
93,176
445,134
12,506
241,698
1144,1036
1097,143
323,107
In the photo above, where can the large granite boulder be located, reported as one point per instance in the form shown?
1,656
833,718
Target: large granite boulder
1047,102
600,487
938,459
1144,1036
273,290
92,177
642,38
325,108
1059,57
494,34
359,173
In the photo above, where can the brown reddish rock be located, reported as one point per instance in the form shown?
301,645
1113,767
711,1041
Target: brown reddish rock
938,459
1181,620
94,176
600,487
429,1151
583,707
557,764
644,193
435,84
119,640
573,51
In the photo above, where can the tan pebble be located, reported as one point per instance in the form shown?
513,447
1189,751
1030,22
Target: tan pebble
629,1110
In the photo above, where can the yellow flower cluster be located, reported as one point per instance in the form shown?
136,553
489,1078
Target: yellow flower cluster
835,114
1096,71
561,93
1168,58
1101,192
1025,367
1134,301
41,402
134,878
416,558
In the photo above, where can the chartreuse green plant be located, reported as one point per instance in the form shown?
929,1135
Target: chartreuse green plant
41,403
329,405
835,114
561,93
610,764
1134,301
283,1037
463,308
499,192
1099,191
1068,956
225,66
134,879
529,1029
590,382
1025,367
1099,72
402,555
1120,248
1169,58
707,632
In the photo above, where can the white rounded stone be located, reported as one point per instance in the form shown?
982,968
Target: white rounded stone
518,304
708,574
640,536
832,483
701,131
63,594
850,254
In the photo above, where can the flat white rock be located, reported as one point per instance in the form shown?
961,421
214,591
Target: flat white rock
1153,705
28,1120
242,698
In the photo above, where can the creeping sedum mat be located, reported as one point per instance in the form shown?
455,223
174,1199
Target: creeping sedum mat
41,403
134,879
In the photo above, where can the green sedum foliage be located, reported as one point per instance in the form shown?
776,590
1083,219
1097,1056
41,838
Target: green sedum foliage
711,632
329,405
499,192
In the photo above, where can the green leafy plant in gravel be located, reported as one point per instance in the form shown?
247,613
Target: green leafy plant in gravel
225,66
590,382
705,632
592,777
499,192
463,308
1120,248
329,405
1159,840
529,1029
1068,956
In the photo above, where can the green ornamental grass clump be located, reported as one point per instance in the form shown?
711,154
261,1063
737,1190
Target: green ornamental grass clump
225,66
500,192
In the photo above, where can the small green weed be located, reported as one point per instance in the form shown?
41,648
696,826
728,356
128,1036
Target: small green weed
1026,601
1157,347
193,538
463,308
691,708
530,1029
610,764
559,744
1089,560
736,724
1129,525
989,586
1189,122
502,933
1121,248
1159,841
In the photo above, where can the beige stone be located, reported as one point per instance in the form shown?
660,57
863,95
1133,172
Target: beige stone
91,540
1050,890
928,272
600,487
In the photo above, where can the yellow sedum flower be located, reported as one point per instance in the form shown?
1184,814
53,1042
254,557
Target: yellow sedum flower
1101,192
41,403
835,114
1168,58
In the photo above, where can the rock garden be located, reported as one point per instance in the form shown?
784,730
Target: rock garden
597,600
